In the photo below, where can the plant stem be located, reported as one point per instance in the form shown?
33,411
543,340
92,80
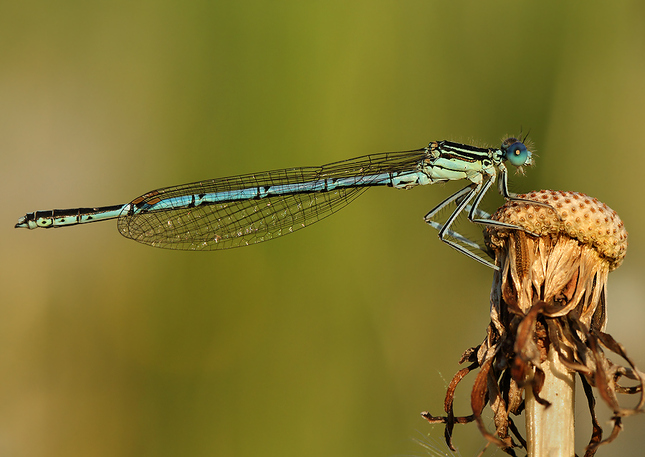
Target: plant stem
550,429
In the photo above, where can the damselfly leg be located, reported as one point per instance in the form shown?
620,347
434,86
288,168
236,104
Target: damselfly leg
461,201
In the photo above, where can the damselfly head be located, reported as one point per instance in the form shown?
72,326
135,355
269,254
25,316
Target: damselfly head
516,152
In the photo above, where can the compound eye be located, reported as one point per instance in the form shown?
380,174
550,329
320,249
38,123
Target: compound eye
517,154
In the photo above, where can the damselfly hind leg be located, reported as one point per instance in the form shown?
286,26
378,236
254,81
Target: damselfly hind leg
461,200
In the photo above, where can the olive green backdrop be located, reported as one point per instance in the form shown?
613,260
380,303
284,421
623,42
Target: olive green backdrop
328,342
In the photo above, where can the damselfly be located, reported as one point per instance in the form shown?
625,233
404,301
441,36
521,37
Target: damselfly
241,210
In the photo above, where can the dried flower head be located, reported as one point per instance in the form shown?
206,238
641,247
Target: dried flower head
549,294
576,215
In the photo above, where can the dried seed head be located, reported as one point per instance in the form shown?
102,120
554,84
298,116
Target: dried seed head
577,215
548,301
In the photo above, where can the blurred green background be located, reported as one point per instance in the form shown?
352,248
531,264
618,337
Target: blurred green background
328,342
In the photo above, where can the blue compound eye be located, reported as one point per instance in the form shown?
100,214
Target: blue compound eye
517,154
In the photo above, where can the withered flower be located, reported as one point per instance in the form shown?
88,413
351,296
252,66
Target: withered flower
548,320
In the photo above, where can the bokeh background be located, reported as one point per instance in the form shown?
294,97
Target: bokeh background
328,342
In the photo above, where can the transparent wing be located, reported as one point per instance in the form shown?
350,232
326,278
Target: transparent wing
243,221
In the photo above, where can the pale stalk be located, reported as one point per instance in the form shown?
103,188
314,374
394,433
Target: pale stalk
550,429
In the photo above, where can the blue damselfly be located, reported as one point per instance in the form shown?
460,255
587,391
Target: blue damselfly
241,210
